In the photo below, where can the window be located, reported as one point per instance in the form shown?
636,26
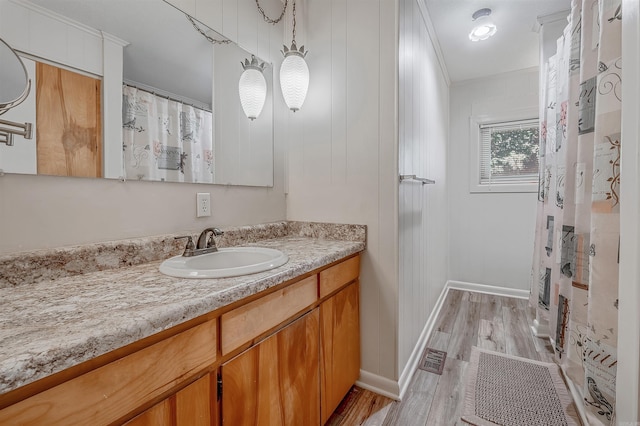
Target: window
509,152
507,156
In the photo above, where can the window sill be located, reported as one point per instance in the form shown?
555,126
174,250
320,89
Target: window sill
504,188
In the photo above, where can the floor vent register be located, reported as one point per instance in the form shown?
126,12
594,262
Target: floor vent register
433,361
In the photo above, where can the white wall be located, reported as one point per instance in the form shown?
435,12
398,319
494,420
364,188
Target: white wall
423,139
342,148
44,211
47,211
628,379
491,234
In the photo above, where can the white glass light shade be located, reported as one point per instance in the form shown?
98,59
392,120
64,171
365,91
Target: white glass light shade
485,28
294,80
252,88
482,32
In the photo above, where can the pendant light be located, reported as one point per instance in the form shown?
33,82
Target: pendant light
294,72
252,87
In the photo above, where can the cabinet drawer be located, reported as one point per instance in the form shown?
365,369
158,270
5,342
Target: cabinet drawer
110,392
251,320
337,276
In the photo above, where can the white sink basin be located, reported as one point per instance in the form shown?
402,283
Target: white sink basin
226,262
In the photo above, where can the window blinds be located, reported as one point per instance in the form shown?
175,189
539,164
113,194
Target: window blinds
489,171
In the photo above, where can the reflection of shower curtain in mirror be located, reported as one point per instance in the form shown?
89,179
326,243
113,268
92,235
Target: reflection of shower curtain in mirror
165,140
575,270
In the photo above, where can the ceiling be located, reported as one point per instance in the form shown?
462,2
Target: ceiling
513,47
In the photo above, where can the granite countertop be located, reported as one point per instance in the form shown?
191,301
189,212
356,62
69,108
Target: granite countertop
53,324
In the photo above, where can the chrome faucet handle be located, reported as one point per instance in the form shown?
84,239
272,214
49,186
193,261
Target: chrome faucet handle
189,248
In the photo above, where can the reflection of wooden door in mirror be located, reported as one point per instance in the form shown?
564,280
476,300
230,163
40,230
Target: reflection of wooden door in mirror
68,123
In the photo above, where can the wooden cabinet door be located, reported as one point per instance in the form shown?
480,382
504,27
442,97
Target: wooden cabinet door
195,405
277,381
115,390
158,415
340,347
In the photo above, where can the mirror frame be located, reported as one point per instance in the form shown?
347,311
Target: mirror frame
4,107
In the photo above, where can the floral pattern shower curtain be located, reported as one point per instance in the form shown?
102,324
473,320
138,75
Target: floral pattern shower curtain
575,273
164,139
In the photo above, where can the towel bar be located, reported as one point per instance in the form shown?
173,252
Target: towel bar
419,179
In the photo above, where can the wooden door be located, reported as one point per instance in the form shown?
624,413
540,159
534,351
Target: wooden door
276,382
68,123
340,347
195,405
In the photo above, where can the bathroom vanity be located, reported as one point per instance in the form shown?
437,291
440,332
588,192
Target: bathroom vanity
278,347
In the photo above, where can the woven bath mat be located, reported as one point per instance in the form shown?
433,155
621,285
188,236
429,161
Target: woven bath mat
507,390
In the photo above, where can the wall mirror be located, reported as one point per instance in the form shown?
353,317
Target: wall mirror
14,89
135,89
14,81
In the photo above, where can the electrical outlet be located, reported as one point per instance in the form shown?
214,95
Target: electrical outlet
203,204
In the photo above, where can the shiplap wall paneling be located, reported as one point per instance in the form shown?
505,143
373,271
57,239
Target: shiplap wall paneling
36,31
436,90
423,118
342,151
387,174
338,92
230,19
315,116
248,34
363,88
210,13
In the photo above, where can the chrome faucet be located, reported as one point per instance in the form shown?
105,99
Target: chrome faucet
206,241
205,244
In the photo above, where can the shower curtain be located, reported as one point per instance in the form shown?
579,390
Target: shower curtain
575,270
164,139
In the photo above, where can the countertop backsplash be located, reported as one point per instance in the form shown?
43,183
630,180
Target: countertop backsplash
50,264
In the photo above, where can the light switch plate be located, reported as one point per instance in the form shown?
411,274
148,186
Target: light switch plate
203,204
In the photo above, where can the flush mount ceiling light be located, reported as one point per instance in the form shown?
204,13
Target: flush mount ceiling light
485,27
252,87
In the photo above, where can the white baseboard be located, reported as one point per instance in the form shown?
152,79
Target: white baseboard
488,289
540,329
416,354
577,397
378,384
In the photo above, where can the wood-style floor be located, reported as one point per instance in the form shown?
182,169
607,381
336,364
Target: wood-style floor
467,319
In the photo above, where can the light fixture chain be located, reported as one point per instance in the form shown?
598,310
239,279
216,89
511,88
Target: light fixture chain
209,38
273,21
294,22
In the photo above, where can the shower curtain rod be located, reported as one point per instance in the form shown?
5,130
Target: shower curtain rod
153,92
